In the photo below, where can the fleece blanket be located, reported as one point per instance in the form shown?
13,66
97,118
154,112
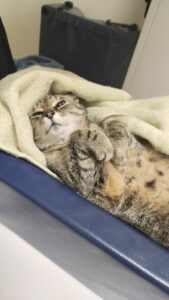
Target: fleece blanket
20,91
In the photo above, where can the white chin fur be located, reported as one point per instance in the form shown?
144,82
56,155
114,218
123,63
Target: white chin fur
67,119
65,125
48,123
62,132
57,118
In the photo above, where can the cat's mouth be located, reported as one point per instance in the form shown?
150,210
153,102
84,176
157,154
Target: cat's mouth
53,124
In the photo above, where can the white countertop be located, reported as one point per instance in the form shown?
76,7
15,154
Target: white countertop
43,259
27,274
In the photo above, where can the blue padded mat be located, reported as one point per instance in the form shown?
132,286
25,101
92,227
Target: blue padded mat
112,235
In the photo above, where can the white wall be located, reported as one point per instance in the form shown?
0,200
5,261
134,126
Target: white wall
148,75
22,22
22,18
125,11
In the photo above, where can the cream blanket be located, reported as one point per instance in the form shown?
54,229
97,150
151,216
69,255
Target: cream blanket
20,91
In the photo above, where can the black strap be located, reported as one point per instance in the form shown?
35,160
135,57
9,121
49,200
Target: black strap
66,5
131,27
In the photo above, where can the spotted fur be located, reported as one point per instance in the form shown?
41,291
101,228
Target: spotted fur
105,163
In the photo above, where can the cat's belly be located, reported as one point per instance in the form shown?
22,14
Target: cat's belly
147,175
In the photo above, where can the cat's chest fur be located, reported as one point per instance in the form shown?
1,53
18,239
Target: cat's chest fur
62,134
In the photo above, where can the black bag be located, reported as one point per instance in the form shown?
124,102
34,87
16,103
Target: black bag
98,51
7,64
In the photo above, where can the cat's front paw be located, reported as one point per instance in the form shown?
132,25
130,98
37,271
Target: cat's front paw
116,130
120,138
92,143
100,146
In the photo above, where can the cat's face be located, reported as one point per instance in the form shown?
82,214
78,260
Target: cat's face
54,118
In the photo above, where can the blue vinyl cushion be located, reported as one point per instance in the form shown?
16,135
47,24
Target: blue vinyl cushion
115,237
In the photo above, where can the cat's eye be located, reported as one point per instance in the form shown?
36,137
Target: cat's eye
60,104
37,114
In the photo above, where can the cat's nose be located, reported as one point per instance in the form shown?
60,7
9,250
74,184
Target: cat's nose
49,114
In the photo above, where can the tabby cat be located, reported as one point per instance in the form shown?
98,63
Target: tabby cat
105,163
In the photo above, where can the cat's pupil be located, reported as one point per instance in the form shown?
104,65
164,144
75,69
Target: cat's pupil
60,103
38,113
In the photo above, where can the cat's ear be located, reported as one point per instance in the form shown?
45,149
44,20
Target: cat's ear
82,102
52,90
68,93
79,103
45,99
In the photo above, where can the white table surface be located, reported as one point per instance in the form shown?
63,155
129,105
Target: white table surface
41,258
27,274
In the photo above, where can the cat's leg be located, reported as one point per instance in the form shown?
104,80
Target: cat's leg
75,167
92,142
122,140
89,149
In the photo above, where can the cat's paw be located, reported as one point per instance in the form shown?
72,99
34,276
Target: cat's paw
115,129
92,143
100,146
120,138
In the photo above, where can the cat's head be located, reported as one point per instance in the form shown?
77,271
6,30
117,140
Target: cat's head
55,117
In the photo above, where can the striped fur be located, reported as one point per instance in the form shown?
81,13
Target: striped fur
105,163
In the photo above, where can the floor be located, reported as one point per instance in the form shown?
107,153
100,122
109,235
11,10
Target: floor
93,271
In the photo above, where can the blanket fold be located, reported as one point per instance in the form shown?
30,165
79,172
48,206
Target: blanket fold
148,118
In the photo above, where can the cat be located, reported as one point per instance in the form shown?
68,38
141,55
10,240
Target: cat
105,163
